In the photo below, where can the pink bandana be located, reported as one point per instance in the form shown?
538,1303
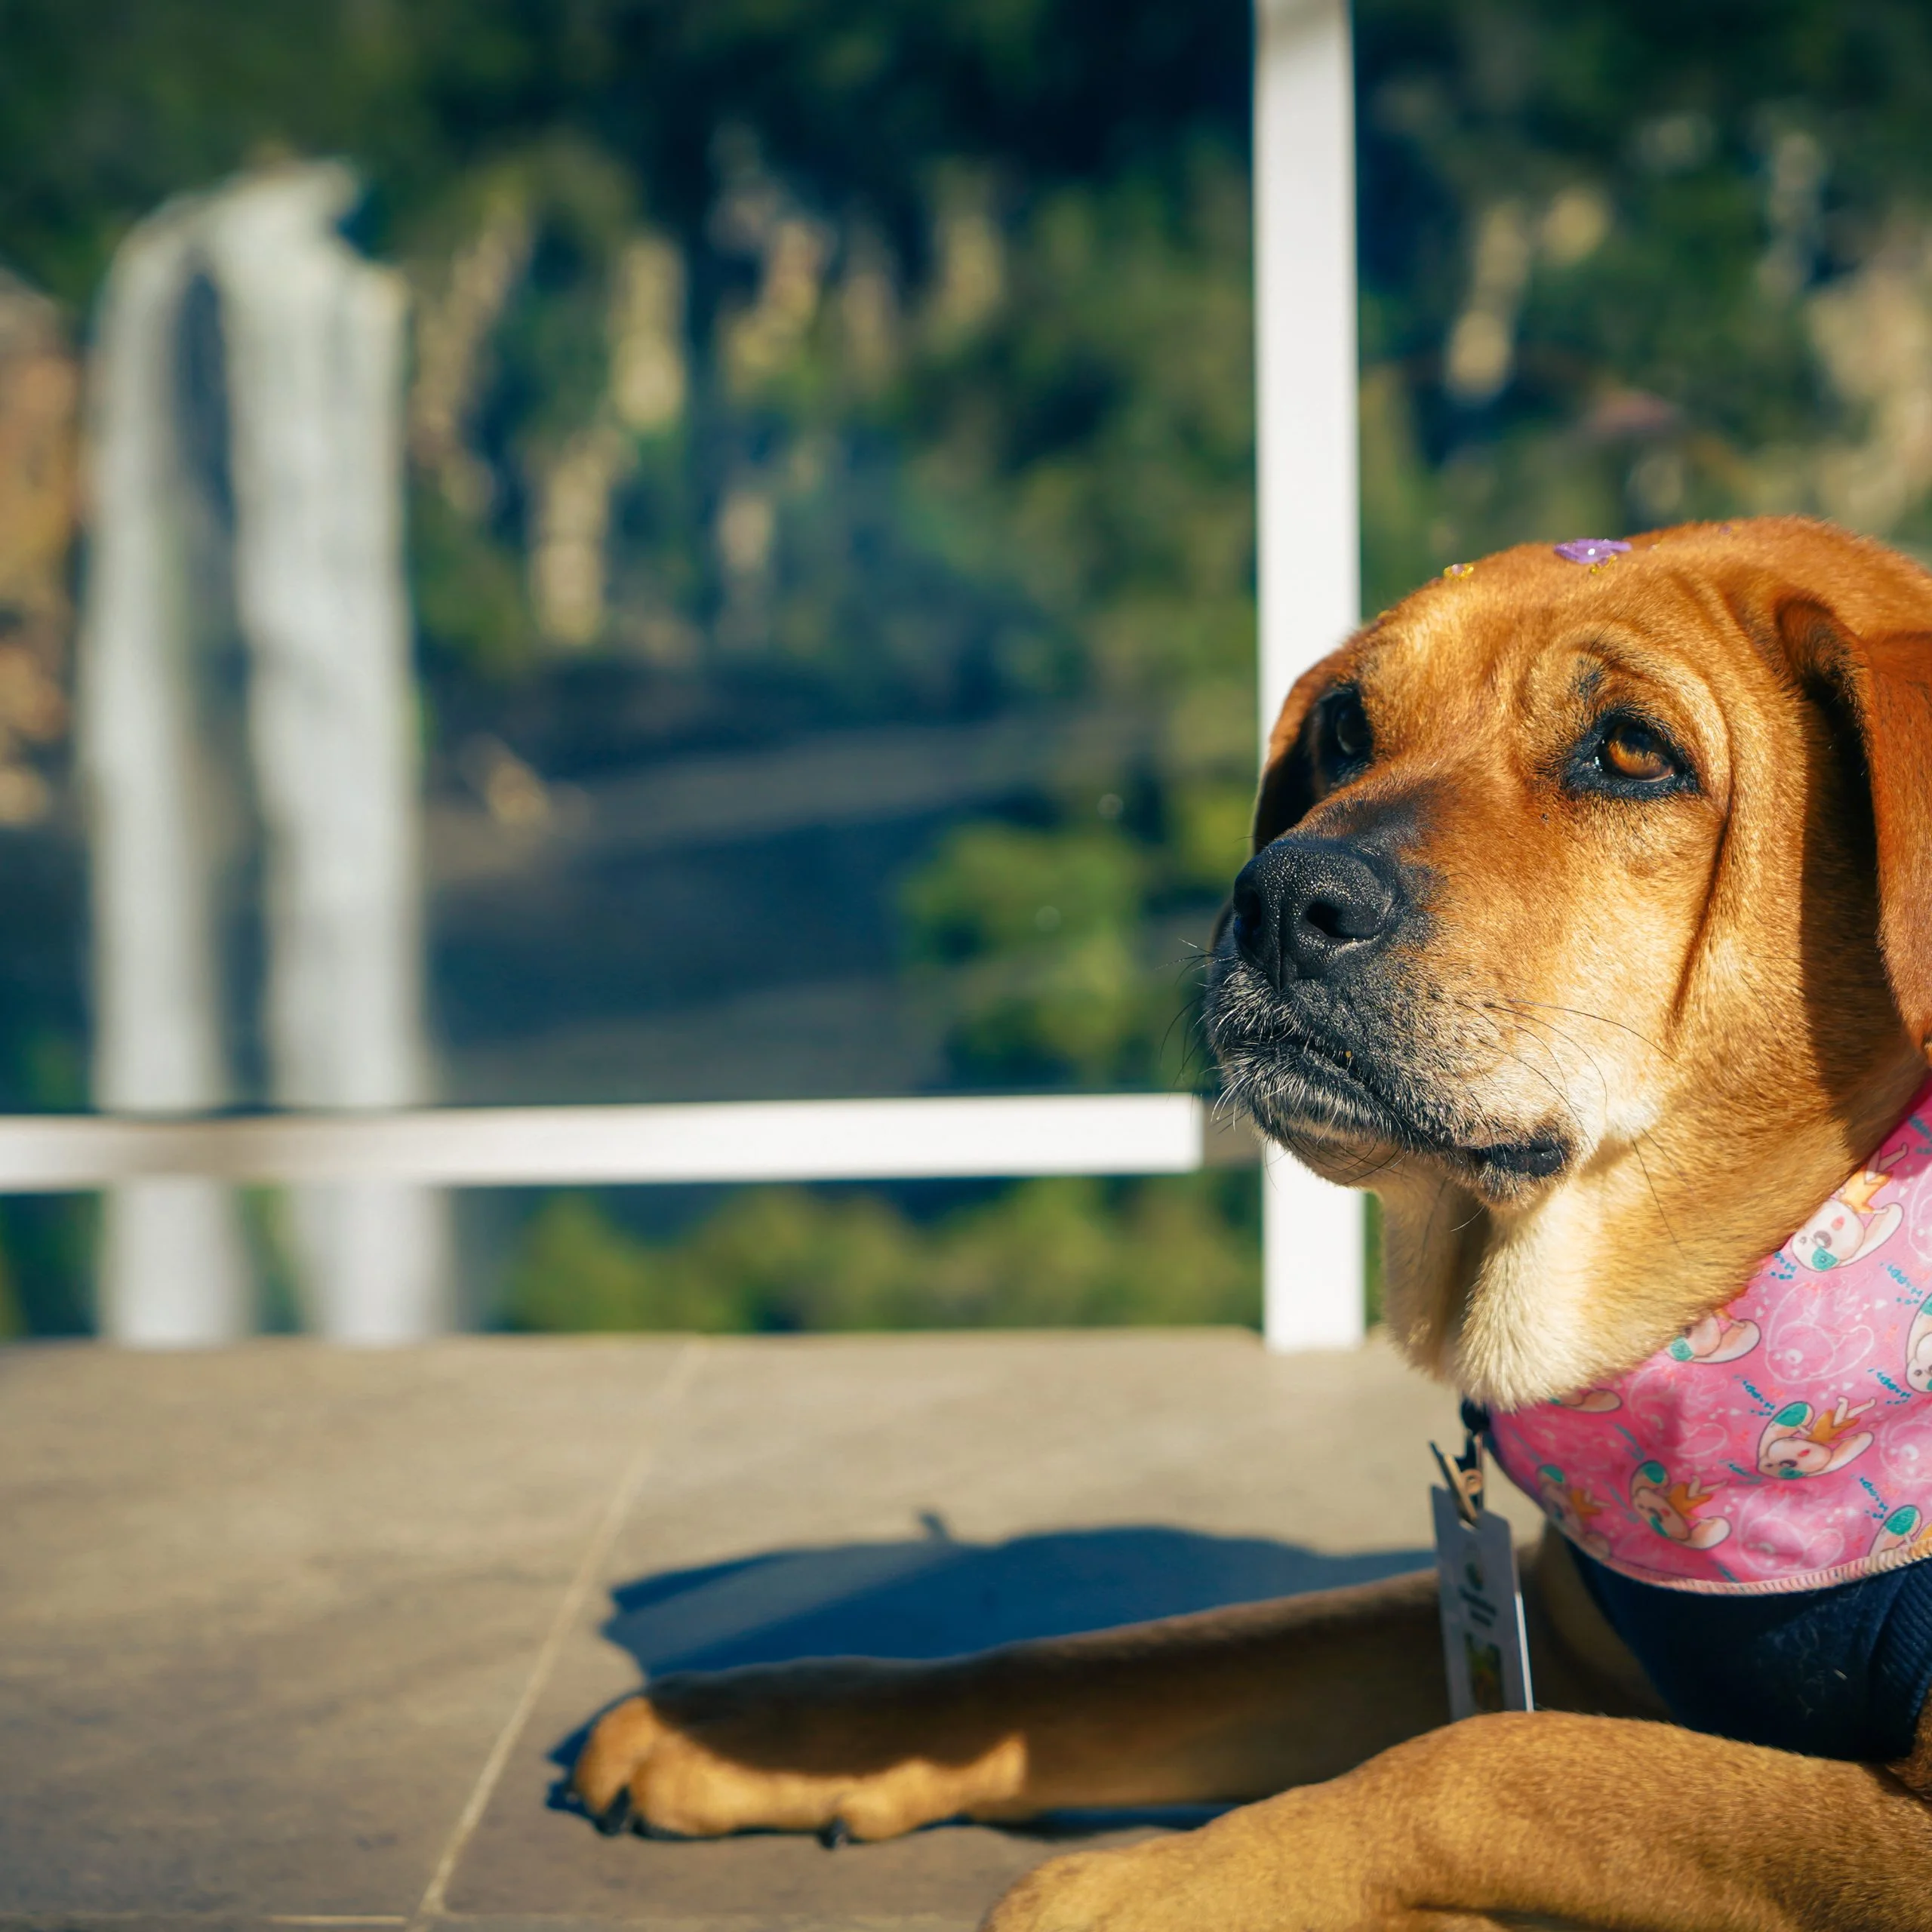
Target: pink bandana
1783,1442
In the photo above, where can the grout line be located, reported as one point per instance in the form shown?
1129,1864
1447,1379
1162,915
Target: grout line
581,1584
139,1916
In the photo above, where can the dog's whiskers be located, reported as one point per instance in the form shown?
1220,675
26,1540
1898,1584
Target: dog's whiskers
1569,1040
1560,1092
1602,1020
1636,1144
1657,1200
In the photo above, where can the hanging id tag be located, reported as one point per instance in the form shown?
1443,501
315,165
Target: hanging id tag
1484,1648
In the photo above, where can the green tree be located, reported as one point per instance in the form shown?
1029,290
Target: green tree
1043,1254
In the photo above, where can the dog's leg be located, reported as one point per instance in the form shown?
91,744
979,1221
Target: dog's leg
1543,1818
1230,1703
1227,1704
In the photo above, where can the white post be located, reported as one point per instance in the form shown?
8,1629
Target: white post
1308,513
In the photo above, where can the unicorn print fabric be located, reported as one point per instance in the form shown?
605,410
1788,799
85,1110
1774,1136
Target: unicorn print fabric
1783,1443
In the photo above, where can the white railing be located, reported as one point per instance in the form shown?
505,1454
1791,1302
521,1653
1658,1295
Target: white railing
723,1142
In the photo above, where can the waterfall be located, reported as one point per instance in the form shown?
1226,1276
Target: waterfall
294,546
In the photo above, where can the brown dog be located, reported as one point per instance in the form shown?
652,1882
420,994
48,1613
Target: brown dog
1591,869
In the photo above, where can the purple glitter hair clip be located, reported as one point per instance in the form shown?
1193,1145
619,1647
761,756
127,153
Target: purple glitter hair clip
1590,549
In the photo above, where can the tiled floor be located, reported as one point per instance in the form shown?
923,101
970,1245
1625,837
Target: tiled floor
291,1636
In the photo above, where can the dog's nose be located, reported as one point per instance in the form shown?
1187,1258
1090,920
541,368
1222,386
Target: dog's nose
1306,907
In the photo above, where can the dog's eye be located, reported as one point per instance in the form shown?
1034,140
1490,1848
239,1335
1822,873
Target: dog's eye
1625,757
1346,742
1632,751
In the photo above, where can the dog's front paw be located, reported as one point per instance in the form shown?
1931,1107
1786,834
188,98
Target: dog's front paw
1089,1891
1252,1870
1166,1885
846,1750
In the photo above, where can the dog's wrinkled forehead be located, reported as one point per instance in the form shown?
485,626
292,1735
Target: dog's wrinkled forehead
1717,594
1711,614
1495,661
1488,622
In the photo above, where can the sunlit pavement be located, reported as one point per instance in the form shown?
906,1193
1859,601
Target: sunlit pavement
295,1636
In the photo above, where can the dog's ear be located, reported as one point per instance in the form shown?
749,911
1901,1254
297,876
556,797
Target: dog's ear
1287,779
1883,684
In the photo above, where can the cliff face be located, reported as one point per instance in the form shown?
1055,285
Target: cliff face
39,388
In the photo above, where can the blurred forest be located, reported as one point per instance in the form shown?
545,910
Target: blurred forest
787,367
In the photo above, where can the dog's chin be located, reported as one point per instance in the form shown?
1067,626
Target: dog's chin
1329,1119
1351,1122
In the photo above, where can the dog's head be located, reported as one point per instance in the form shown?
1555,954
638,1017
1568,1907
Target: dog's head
1590,923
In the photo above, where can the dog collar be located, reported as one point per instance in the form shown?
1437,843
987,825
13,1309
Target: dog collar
1783,1442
